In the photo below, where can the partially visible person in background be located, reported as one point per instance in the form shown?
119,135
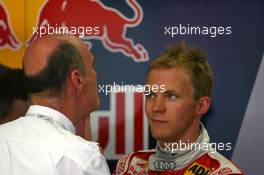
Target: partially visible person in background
13,95
3,68
62,85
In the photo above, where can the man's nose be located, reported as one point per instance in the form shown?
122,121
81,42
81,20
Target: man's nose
159,105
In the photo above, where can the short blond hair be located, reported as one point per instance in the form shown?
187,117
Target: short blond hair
194,61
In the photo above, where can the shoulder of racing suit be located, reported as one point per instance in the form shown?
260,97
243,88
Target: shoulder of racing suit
134,162
208,163
226,167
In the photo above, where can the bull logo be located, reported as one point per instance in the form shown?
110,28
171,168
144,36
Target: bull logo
106,24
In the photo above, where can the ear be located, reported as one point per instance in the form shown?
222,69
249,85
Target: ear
76,79
203,106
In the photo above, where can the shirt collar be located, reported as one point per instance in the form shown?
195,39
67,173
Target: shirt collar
179,158
51,115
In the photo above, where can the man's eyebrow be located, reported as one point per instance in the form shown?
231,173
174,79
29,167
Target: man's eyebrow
169,91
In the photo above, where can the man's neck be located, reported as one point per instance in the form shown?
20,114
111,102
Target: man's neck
188,137
57,104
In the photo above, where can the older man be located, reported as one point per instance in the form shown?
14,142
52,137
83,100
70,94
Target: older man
63,90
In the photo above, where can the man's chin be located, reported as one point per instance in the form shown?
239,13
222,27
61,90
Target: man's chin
159,137
162,137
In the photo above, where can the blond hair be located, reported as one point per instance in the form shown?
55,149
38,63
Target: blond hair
191,59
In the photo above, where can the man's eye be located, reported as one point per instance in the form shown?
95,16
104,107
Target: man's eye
149,94
171,96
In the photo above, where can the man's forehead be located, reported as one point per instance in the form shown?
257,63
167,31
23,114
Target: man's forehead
170,72
85,52
173,78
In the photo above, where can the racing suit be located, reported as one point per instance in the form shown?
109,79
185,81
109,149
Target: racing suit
197,159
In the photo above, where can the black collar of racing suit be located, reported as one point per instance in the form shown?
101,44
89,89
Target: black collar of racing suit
172,160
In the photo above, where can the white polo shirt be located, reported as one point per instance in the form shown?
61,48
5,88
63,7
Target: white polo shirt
43,143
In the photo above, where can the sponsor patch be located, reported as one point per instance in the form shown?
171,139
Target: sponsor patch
198,169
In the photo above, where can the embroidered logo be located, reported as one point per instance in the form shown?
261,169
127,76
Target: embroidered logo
198,169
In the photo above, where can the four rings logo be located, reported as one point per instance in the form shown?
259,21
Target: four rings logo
164,165
103,23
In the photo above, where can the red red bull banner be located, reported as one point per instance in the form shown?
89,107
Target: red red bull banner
90,20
